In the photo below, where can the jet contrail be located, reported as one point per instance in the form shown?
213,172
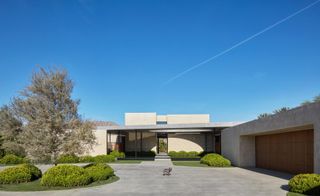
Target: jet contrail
239,43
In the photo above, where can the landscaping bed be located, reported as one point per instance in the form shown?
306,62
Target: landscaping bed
27,177
209,160
304,184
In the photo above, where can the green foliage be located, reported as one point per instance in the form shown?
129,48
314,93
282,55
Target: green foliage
86,159
104,159
12,159
184,154
215,160
66,176
306,184
68,159
19,174
99,171
118,154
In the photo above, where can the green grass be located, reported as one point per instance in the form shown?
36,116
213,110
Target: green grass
35,186
189,163
129,161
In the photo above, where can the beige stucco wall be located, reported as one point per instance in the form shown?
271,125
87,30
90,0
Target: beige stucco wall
101,143
238,143
176,142
188,118
189,142
140,119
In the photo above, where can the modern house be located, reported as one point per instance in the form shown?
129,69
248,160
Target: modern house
145,132
288,141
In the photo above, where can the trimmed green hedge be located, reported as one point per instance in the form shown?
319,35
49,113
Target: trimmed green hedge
118,154
99,171
19,174
215,160
68,159
306,184
66,176
104,158
184,154
12,159
86,159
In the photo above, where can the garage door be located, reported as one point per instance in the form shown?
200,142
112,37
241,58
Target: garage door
290,152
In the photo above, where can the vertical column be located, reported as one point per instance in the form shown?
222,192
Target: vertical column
205,142
213,142
141,141
107,141
135,144
157,143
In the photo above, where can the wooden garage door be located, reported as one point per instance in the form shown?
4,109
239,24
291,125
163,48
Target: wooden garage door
290,152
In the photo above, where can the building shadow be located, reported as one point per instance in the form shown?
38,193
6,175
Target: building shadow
282,175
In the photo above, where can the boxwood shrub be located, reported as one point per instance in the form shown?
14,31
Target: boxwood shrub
19,174
65,176
184,154
12,159
68,159
215,160
99,171
308,184
86,159
104,158
118,154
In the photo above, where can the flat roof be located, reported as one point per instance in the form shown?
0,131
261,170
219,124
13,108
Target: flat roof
172,127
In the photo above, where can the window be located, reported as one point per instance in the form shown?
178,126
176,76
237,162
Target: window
161,122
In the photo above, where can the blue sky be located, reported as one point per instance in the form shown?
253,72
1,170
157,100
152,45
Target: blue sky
121,53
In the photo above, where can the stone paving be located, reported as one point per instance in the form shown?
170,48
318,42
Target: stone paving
146,179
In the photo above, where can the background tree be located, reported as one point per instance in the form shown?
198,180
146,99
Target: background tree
50,116
263,115
283,109
10,129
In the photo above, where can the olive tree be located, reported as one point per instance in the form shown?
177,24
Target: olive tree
51,123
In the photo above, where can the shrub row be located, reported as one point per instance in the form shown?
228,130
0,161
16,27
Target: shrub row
184,154
118,154
19,174
308,184
12,159
215,160
86,159
71,175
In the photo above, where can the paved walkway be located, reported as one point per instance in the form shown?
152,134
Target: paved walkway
147,179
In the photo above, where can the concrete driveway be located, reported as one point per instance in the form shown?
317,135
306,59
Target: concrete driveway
146,179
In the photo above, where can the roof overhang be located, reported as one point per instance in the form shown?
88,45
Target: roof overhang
173,127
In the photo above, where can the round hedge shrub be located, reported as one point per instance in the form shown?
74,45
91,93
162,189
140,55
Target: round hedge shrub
66,176
86,159
19,174
118,154
99,171
104,159
12,159
306,184
215,160
68,159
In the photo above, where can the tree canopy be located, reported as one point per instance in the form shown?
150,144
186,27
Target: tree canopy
49,121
